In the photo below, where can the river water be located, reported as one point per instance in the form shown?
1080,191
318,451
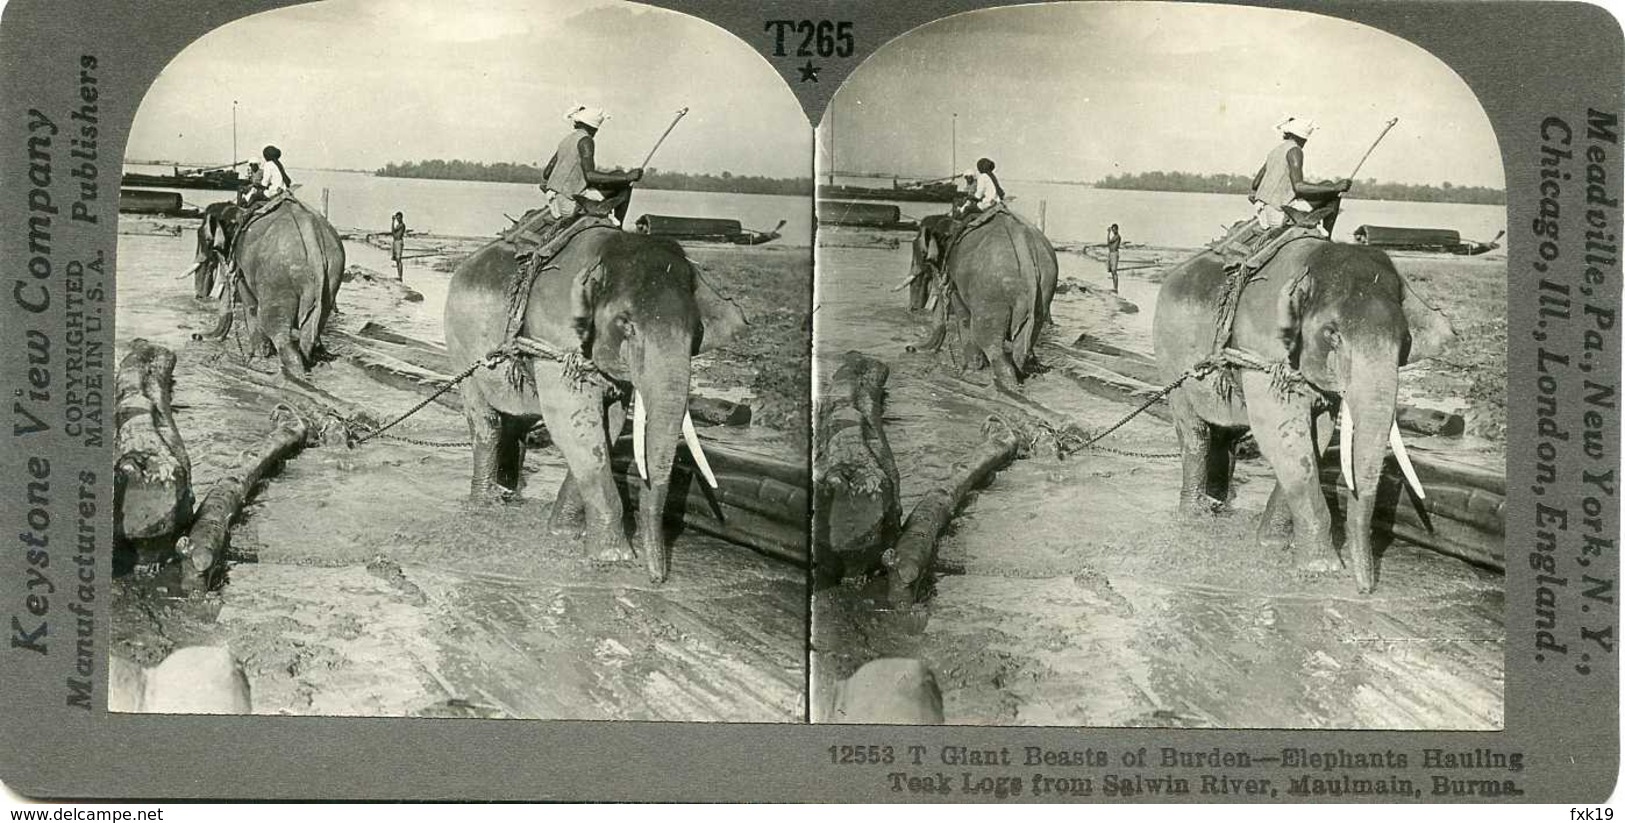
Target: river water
360,200
1075,213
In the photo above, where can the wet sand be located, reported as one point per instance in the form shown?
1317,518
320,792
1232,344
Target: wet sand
1068,594
362,583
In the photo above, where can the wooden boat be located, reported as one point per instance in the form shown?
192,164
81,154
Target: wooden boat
704,229
1396,238
139,201
929,192
216,179
866,215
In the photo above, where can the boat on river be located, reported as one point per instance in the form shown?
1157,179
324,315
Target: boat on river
926,192
217,179
1447,241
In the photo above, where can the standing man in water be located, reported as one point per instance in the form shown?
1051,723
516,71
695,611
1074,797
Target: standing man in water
572,179
1281,195
1113,241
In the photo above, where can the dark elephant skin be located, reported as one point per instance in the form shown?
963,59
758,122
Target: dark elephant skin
214,234
293,263
1347,329
1003,273
651,313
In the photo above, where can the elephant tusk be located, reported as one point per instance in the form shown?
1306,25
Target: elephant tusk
692,438
188,272
1345,448
907,280
1403,457
640,423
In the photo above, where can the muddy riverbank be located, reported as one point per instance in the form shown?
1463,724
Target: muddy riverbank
1067,594
362,583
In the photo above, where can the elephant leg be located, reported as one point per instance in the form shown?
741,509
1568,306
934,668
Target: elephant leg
510,453
1282,428
575,419
287,350
569,516
1221,464
1195,446
989,336
485,430
1275,527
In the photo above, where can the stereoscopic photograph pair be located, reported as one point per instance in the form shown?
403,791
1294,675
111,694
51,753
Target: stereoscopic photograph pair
1089,365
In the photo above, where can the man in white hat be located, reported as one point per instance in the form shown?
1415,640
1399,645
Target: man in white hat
572,179
1280,193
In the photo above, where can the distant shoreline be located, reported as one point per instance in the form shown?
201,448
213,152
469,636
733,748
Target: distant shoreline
725,182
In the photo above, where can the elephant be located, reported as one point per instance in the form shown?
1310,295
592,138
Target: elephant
214,235
651,312
291,263
1002,275
1343,317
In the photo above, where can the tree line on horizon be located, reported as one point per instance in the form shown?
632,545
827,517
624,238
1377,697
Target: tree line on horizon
1367,189
653,178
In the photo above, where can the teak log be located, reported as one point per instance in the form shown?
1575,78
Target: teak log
910,560
152,493
203,547
759,502
1463,516
856,512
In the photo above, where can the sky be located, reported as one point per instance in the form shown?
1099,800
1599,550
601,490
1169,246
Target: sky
360,83
1082,91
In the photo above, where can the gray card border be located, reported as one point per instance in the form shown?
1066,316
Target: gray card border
1526,62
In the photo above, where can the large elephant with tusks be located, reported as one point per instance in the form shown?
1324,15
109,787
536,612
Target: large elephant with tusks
1001,278
651,311
1344,319
291,263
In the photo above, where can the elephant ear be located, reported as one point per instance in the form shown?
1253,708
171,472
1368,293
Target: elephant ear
1430,329
721,319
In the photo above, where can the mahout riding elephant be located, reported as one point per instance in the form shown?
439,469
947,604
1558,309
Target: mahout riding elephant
291,263
1342,316
1002,277
214,235
651,312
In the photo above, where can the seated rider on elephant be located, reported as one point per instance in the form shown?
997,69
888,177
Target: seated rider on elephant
1281,196
572,180
985,193
271,180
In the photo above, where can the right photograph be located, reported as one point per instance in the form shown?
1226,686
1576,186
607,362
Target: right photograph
1159,377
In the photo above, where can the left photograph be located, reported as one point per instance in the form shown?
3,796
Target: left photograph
463,369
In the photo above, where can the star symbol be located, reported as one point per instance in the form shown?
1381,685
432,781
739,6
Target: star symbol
809,72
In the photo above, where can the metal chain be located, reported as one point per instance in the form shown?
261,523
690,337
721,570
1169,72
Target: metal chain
489,360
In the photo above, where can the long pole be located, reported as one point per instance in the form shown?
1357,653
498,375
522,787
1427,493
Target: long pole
234,134
953,157
680,114
1374,143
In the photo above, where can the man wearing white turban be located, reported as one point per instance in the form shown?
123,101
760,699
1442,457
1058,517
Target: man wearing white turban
572,179
1280,194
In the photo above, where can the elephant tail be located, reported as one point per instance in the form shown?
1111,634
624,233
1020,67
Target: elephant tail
1029,314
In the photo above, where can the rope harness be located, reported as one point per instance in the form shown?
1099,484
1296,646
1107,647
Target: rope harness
579,373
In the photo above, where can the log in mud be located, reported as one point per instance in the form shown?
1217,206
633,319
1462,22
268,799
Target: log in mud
909,562
857,513
152,498
203,547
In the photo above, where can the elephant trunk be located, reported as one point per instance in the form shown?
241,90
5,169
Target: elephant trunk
660,377
1367,418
